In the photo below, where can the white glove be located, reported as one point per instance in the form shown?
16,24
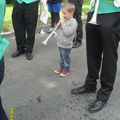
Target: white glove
92,3
117,3
43,2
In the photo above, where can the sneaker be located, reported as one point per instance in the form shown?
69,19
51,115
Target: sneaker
64,73
58,71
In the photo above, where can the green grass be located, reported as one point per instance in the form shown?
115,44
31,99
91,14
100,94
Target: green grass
85,7
7,26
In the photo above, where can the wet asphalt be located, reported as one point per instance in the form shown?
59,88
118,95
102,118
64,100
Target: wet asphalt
36,93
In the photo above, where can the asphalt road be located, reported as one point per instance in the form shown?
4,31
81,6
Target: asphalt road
36,93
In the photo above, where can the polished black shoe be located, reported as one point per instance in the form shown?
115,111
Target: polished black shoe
82,90
77,44
17,53
96,106
29,56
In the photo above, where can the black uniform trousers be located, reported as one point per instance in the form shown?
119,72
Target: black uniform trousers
77,15
102,44
3,115
55,17
2,69
24,18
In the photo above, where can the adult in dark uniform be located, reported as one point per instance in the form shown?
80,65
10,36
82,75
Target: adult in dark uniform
77,15
102,43
3,115
24,18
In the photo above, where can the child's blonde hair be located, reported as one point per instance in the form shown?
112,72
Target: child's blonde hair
70,7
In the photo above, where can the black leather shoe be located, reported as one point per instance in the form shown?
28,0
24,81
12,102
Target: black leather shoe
17,53
96,106
29,56
77,44
82,90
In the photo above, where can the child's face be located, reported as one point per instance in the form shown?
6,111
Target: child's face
66,15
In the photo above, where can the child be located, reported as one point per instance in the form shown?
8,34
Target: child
65,38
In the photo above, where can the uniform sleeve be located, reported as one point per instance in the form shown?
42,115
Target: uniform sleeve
2,12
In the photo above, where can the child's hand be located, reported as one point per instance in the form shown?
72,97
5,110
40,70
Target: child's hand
58,24
61,22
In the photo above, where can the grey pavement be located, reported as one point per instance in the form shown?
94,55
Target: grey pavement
36,93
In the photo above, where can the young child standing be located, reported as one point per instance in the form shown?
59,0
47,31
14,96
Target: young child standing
65,38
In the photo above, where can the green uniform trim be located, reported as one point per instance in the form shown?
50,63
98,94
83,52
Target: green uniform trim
26,1
106,6
2,12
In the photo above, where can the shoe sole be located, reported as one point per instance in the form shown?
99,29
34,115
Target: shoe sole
83,93
64,75
56,72
17,55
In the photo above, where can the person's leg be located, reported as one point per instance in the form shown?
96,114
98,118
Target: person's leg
56,9
50,9
66,58
61,58
66,61
60,69
19,26
3,115
110,39
57,17
31,15
52,22
94,52
77,41
110,36
2,69
52,19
